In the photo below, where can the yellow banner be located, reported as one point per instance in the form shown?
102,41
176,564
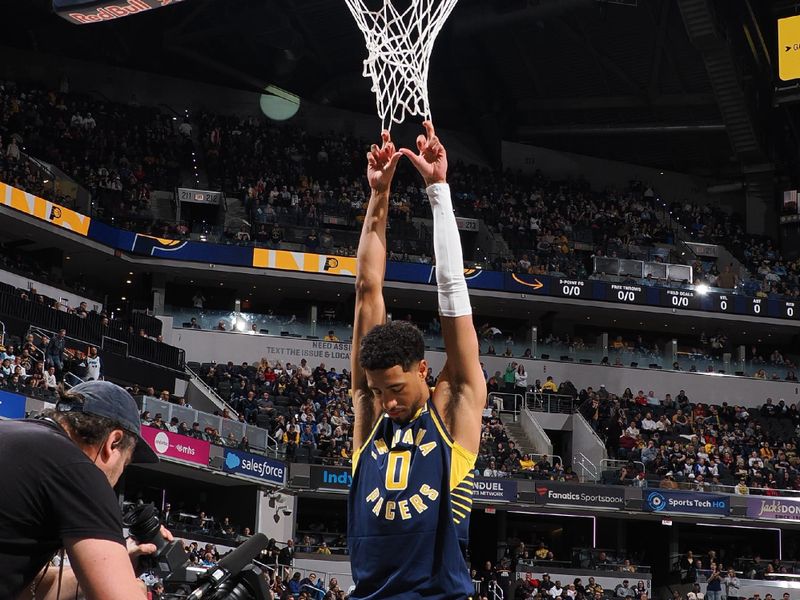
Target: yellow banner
45,210
789,48
302,261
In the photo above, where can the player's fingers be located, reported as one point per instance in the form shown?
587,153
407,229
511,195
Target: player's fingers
396,156
429,130
421,141
374,148
410,155
386,136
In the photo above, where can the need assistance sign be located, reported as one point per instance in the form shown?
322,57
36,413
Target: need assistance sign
789,48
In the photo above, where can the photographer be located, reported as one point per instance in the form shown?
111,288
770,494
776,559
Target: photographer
59,472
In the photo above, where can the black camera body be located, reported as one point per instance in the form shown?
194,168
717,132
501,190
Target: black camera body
145,527
234,578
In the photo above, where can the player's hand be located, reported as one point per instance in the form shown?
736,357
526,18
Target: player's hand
136,550
431,162
382,163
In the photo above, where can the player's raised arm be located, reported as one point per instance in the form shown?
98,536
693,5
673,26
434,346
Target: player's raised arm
461,390
371,268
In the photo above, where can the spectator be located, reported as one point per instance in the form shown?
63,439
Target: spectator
521,380
550,385
54,354
714,583
623,591
286,555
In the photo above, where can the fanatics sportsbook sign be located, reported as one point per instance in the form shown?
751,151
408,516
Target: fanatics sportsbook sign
584,496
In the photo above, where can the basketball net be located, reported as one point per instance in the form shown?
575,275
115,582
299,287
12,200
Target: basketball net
400,44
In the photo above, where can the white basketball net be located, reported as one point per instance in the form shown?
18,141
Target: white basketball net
400,46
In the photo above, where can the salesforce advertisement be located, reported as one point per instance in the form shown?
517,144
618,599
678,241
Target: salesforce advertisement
695,503
267,470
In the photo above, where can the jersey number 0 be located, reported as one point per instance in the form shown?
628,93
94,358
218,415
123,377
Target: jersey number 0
397,470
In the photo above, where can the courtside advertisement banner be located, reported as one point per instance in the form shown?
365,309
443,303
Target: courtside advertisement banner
494,490
331,478
262,468
84,12
685,502
12,406
784,509
583,496
180,447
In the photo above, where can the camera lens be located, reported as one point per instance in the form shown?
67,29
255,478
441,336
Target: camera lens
144,525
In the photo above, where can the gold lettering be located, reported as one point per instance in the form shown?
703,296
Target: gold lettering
427,448
403,506
408,437
390,505
396,438
374,495
420,436
429,492
377,508
381,446
416,502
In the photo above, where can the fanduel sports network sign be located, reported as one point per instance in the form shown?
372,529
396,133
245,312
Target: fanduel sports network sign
494,490
685,502
330,478
584,496
774,508
265,469
180,447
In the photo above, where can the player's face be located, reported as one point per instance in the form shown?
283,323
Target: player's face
401,393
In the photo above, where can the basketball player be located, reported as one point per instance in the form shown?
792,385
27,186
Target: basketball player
411,496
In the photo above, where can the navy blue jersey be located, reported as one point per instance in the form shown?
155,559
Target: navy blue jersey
408,514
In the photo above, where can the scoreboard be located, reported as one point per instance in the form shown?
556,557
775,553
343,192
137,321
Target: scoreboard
678,299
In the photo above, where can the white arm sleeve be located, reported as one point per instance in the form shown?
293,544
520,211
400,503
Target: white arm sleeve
453,294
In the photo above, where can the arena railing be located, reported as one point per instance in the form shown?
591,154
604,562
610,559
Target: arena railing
612,464
585,468
506,403
611,567
258,439
89,330
551,402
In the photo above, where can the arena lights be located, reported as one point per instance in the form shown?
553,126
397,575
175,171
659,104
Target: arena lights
278,104
701,289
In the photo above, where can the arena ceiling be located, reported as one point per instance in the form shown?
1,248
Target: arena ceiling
644,81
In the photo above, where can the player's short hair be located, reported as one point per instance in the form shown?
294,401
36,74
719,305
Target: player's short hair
391,344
